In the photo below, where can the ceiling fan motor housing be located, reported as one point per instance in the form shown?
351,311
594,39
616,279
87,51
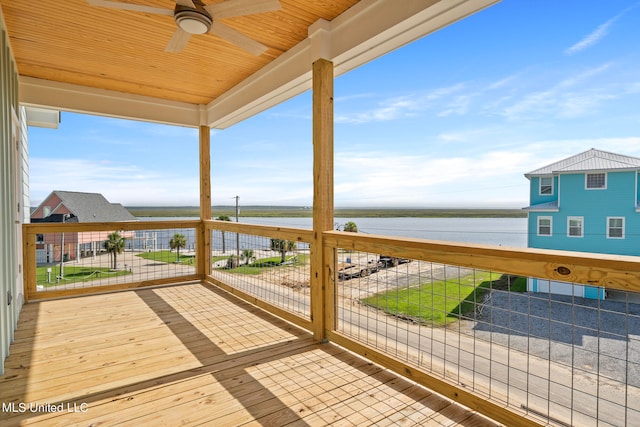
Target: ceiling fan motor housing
193,21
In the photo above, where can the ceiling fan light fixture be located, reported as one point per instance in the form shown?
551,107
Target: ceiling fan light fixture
193,21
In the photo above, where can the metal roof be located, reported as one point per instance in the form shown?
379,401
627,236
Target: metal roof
591,160
543,207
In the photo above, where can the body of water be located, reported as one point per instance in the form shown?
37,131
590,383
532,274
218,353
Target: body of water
492,231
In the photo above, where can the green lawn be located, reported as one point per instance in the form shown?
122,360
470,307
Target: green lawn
74,274
168,256
260,265
256,267
440,302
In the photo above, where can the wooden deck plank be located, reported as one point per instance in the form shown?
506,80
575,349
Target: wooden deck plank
108,407
194,355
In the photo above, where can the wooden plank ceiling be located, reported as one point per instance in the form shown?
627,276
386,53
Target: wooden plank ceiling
73,42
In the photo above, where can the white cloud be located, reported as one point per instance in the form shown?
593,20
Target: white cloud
580,104
584,76
119,183
570,97
592,38
401,106
390,110
494,178
596,35
460,106
381,178
502,83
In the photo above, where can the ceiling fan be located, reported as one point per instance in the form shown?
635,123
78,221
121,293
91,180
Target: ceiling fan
194,17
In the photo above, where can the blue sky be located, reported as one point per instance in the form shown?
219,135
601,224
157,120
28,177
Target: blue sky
453,120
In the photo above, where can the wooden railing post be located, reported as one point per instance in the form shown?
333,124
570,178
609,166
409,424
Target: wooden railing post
29,263
322,194
203,241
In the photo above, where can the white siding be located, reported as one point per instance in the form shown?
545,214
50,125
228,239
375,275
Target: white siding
11,156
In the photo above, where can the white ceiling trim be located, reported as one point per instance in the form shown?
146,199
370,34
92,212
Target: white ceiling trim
82,99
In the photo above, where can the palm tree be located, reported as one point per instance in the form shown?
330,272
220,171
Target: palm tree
114,246
351,227
178,241
223,218
282,246
247,254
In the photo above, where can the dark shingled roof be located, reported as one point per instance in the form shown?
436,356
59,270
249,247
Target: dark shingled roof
92,207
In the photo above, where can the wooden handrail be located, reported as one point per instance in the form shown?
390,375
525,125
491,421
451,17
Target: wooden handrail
287,233
610,271
58,227
620,272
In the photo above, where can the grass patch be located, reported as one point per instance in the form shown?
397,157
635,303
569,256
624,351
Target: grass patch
74,274
262,264
519,284
167,256
441,302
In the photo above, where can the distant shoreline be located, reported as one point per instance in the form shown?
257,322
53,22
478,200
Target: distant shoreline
306,212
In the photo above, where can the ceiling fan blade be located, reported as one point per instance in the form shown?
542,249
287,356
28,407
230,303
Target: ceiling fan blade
178,41
231,8
237,38
186,3
132,7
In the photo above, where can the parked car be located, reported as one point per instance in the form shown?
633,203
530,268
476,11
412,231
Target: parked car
349,270
392,261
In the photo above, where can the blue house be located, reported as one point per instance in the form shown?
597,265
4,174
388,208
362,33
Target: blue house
588,203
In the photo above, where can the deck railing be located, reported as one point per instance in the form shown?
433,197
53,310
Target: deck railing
269,266
64,259
454,317
459,319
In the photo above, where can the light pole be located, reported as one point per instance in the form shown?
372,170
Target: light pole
238,234
61,276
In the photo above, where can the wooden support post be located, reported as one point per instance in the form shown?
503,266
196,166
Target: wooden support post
322,194
203,241
29,264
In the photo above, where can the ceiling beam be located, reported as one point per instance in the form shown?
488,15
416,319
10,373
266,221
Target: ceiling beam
82,99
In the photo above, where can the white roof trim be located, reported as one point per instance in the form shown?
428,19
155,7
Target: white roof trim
381,25
82,99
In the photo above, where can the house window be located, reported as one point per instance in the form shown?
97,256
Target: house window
596,181
544,226
546,185
574,226
615,228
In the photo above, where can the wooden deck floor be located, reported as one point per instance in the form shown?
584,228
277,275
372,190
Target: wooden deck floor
193,355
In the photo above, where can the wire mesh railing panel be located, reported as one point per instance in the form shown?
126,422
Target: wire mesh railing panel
271,269
81,259
565,353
